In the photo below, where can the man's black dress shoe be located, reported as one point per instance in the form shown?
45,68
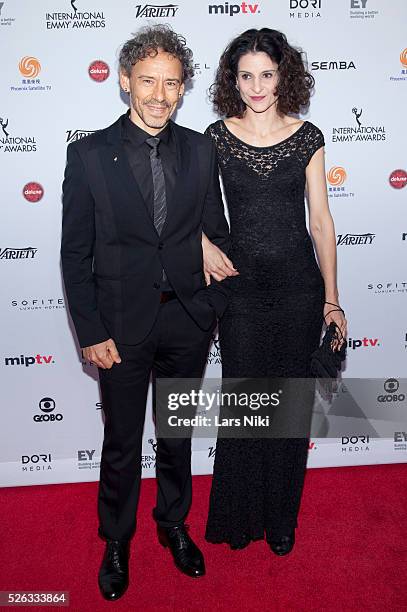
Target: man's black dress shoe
187,556
114,571
281,545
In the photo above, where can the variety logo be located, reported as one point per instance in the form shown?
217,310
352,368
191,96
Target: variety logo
333,65
75,20
398,179
36,463
359,10
47,407
33,192
391,387
86,460
22,360
38,304
336,178
352,444
244,8
98,71
155,10
359,132
305,9
5,21
9,253
30,68
388,287
363,343
353,239
74,135
15,144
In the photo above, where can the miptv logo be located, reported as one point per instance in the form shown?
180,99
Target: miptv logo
98,71
336,176
33,192
29,66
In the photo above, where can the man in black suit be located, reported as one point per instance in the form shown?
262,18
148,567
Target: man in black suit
137,198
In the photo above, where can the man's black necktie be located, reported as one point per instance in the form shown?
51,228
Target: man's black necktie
160,202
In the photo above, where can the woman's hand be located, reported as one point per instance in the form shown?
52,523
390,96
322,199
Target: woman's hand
216,263
331,313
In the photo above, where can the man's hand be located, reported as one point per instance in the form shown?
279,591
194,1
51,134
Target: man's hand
104,354
216,263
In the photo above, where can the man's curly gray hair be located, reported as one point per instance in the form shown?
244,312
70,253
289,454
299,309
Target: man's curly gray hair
148,40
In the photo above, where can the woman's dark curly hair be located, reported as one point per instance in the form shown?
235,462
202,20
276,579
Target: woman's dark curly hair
148,40
294,84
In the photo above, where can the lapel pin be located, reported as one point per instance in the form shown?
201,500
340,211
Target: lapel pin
115,158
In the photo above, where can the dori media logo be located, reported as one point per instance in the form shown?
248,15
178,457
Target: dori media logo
305,9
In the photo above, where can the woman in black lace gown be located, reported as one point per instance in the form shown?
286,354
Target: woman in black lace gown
267,159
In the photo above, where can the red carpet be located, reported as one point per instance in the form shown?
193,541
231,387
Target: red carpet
350,552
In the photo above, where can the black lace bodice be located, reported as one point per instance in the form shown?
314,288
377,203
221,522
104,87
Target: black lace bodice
264,188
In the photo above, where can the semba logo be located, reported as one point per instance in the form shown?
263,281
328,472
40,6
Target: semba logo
27,361
234,9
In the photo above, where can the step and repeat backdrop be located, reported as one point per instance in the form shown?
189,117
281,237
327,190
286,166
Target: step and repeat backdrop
59,83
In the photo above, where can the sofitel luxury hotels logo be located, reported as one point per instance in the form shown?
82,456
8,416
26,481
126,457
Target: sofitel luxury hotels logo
358,132
75,19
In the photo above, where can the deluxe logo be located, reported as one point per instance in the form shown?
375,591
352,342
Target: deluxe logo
75,20
33,192
305,9
363,343
98,71
333,65
391,386
74,135
388,287
47,407
359,10
15,144
359,132
29,66
9,253
155,10
234,9
398,179
36,463
22,360
353,239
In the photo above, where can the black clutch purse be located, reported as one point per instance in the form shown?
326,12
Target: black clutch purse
325,362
